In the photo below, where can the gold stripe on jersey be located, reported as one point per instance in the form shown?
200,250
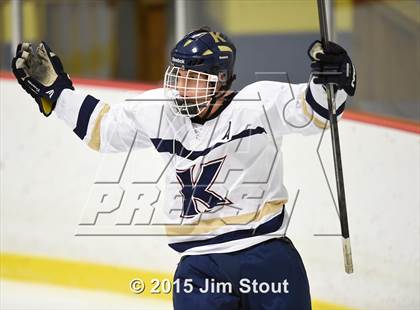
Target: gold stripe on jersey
95,137
210,225
319,123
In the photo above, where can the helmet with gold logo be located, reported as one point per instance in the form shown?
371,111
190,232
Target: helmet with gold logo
201,70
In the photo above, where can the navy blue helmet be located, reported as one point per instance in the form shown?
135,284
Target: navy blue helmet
206,51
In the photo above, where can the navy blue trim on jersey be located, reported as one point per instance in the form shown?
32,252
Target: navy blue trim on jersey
176,147
268,227
83,118
318,108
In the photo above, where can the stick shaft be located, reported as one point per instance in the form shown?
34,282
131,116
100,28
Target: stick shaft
341,196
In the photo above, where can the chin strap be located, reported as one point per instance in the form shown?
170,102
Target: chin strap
211,104
213,100
229,82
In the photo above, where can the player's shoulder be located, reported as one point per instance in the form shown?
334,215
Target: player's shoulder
145,107
155,94
261,94
149,100
261,88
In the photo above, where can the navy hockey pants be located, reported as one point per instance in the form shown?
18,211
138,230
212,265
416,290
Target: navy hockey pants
269,275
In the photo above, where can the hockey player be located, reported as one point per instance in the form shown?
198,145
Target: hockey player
223,150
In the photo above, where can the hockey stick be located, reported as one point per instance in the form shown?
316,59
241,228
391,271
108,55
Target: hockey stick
348,263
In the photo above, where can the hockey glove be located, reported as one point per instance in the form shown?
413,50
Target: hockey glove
41,75
332,65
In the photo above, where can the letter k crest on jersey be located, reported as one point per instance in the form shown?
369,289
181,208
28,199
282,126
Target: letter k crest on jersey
198,197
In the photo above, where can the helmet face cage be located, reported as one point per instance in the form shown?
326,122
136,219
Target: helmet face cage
191,91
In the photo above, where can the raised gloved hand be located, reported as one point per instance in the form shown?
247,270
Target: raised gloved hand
41,75
333,65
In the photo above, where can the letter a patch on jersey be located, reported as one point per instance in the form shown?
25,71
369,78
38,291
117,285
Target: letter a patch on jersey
197,194
227,134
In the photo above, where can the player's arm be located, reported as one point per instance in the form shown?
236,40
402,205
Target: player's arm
103,127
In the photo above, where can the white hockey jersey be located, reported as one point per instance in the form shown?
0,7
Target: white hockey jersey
225,176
